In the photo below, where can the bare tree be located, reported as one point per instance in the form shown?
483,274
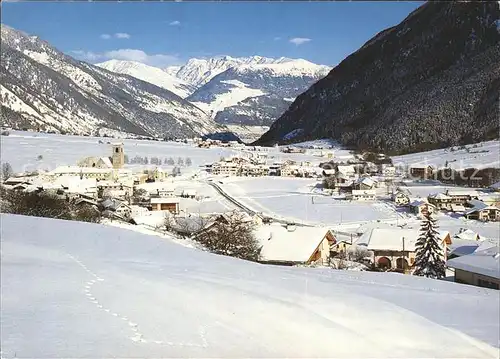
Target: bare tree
146,161
180,162
176,171
188,161
139,195
170,161
233,238
6,170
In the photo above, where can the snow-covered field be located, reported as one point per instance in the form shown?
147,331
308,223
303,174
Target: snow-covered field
480,155
291,198
109,292
21,150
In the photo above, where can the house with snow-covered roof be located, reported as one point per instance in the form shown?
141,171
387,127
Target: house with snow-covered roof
364,183
395,247
440,200
401,197
419,206
482,212
291,245
480,268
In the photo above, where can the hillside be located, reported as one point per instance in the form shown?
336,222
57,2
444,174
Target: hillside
256,94
150,74
134,295
200,71
44,89
430,82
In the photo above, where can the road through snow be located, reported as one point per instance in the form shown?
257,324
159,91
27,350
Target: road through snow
74,289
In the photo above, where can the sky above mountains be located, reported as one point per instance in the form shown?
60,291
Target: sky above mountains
163,34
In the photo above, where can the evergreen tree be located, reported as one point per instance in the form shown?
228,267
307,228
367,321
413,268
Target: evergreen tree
429,259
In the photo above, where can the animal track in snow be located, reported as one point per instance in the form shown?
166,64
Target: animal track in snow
134,327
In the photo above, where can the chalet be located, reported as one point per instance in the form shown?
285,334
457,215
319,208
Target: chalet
254,170
113,205
462,197
480,268
440,200
291,245
225,168
364,183
395,247
418,207
401,197
421,171
362,195
170,204
156,174
483,212
120,188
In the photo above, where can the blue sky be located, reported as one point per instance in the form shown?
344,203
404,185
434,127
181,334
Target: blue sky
162,33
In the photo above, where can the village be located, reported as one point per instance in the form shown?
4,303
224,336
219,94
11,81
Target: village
184,204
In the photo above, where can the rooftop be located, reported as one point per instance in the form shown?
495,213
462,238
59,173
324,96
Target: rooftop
485,262
282,245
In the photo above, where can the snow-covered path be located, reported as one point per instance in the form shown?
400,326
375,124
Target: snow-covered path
81,290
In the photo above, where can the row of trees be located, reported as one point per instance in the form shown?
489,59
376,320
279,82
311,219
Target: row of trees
45,205
182,162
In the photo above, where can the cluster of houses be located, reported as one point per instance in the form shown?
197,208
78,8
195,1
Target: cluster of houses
472,204
103,184
347,179
256,166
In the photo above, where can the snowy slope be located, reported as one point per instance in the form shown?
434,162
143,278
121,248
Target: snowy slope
45,89
199,71
109,292
479,155
236,92
150,74
256,93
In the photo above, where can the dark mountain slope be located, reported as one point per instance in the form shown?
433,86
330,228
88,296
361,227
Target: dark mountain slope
429,82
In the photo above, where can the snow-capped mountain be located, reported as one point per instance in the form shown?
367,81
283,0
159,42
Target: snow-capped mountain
150,74
42,88
256,94
200,71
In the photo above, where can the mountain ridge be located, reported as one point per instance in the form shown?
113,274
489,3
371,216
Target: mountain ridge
428,82
45,89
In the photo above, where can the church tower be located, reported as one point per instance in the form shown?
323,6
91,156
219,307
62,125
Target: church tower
118,156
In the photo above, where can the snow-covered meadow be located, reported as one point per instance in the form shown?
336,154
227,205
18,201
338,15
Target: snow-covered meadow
111,292
480,155
21,150
293,199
